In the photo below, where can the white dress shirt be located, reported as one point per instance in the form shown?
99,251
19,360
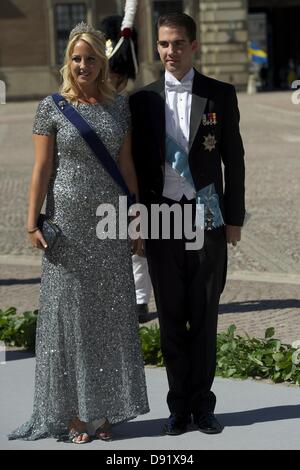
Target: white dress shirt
178,110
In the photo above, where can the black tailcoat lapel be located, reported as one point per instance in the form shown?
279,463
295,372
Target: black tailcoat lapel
156,106
197,108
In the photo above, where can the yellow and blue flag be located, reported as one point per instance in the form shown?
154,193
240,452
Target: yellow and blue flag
256,54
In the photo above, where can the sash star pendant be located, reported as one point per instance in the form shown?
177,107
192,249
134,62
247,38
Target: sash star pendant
209,142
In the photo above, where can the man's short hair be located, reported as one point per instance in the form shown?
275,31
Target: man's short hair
179,20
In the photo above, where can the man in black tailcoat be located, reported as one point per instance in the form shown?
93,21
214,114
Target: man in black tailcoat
185,126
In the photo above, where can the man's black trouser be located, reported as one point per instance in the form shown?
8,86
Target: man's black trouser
187,287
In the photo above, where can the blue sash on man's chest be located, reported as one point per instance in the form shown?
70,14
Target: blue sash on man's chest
177,157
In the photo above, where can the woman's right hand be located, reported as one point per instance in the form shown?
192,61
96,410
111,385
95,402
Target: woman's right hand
37,240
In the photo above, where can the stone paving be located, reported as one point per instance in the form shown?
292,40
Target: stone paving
264,269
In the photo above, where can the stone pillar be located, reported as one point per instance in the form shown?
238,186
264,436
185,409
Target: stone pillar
223,35
149,68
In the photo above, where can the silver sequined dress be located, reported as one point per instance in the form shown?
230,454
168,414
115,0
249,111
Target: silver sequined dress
88,362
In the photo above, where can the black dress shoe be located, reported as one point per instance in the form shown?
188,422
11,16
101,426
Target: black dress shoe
176,425
208,423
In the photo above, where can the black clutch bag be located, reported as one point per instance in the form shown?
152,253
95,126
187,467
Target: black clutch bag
51,232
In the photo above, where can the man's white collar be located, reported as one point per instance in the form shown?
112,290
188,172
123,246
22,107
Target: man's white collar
187,77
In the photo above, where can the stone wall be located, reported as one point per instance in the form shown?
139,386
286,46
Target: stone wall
223,40
23,33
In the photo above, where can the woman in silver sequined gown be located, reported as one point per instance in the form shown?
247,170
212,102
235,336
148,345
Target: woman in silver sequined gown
88,359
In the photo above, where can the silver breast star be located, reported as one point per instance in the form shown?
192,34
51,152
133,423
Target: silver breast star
209,142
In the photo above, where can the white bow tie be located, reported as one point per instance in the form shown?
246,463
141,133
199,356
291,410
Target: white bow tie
179,87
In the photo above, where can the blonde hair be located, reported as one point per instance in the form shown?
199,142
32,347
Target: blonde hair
69,89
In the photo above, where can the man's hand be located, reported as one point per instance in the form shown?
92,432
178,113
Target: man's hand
233,234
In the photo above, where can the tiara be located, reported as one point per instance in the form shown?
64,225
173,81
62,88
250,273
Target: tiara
85,28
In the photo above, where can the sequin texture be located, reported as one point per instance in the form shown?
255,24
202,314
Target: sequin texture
88,358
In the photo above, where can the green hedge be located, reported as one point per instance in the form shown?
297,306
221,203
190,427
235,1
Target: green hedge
268,358
237,356
18,330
